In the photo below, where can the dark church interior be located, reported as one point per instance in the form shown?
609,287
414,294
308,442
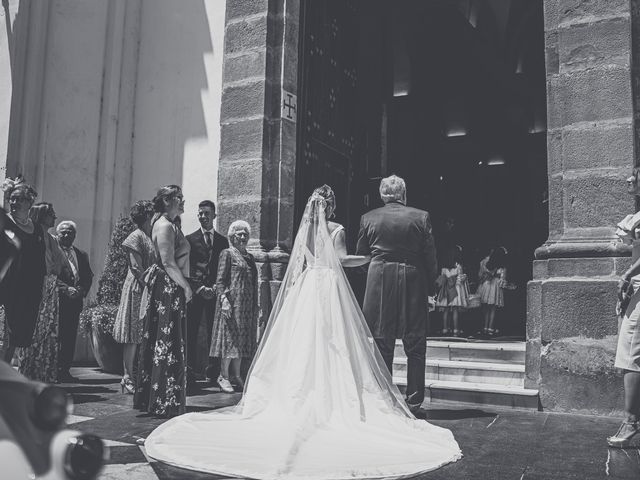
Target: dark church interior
450,95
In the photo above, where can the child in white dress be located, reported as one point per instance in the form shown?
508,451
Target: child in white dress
453,295
493,280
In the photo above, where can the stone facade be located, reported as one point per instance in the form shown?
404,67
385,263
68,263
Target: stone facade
258,146
571,322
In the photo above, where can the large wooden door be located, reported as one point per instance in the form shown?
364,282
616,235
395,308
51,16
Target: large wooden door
328,130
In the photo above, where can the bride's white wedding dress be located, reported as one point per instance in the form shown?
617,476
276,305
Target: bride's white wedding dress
319,402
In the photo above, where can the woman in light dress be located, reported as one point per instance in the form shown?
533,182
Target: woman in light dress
235,326
628,351
319,403
141,254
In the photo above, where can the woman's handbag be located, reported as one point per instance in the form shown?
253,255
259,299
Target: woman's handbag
623,302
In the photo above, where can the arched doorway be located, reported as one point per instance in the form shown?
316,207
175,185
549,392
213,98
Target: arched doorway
449,95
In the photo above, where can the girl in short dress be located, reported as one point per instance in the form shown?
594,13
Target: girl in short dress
454,292
492,278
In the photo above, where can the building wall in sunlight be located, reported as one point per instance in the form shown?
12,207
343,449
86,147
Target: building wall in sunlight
110,101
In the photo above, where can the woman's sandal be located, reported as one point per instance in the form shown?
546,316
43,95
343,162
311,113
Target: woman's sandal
624,435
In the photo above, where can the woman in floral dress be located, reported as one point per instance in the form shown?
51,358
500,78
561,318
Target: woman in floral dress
39,361
234,333
161,376
141,254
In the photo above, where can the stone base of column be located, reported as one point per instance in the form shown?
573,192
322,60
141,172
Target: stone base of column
272,266
572,333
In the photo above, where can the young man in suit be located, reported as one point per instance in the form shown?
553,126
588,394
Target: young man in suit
75,283
206,245
402,271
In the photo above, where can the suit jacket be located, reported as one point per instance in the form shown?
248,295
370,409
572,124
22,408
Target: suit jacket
403,267
85,275
203,261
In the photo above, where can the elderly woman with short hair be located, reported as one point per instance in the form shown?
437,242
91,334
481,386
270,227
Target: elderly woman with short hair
234,334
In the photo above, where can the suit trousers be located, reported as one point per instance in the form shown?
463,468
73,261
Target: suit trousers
69,311
196,310
414,342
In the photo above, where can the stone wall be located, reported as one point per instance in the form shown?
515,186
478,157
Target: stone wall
571,323
257,155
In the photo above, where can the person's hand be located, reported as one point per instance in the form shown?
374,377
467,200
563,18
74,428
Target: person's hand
188,294
207,293
72,292
226,305
623,284
462,277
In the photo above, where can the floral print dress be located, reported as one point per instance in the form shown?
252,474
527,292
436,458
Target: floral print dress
234,334
128,325
161,378
39,361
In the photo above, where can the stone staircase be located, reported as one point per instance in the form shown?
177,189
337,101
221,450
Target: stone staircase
472,372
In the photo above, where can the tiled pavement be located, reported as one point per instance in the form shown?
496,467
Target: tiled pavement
497,444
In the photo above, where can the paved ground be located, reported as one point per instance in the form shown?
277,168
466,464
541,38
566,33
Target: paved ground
497,444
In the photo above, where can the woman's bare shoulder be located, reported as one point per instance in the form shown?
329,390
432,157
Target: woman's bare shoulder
333,226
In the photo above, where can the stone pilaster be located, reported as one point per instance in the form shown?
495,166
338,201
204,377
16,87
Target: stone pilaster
257,153
571,324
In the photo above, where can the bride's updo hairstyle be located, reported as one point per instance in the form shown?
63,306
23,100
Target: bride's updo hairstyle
326,192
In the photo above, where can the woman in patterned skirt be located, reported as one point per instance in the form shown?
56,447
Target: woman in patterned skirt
141,254
234,334
39,361
161,375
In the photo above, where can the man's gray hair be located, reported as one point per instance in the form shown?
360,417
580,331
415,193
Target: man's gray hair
67,223
238,225
393,188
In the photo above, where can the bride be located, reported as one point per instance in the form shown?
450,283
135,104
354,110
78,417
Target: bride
319,402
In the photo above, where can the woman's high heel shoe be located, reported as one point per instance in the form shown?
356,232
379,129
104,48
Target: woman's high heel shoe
127,385
625,433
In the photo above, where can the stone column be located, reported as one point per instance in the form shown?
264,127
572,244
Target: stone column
257,152
571,323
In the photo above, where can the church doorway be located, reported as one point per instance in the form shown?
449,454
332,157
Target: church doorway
450,95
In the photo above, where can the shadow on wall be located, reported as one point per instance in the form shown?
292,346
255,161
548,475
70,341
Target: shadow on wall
176,107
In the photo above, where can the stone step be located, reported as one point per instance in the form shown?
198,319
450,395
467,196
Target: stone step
480,351
463,371
477,393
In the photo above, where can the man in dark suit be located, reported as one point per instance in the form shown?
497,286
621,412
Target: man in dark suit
206,245
401,274
74,285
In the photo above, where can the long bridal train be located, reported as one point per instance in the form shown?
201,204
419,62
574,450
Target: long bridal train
319,402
